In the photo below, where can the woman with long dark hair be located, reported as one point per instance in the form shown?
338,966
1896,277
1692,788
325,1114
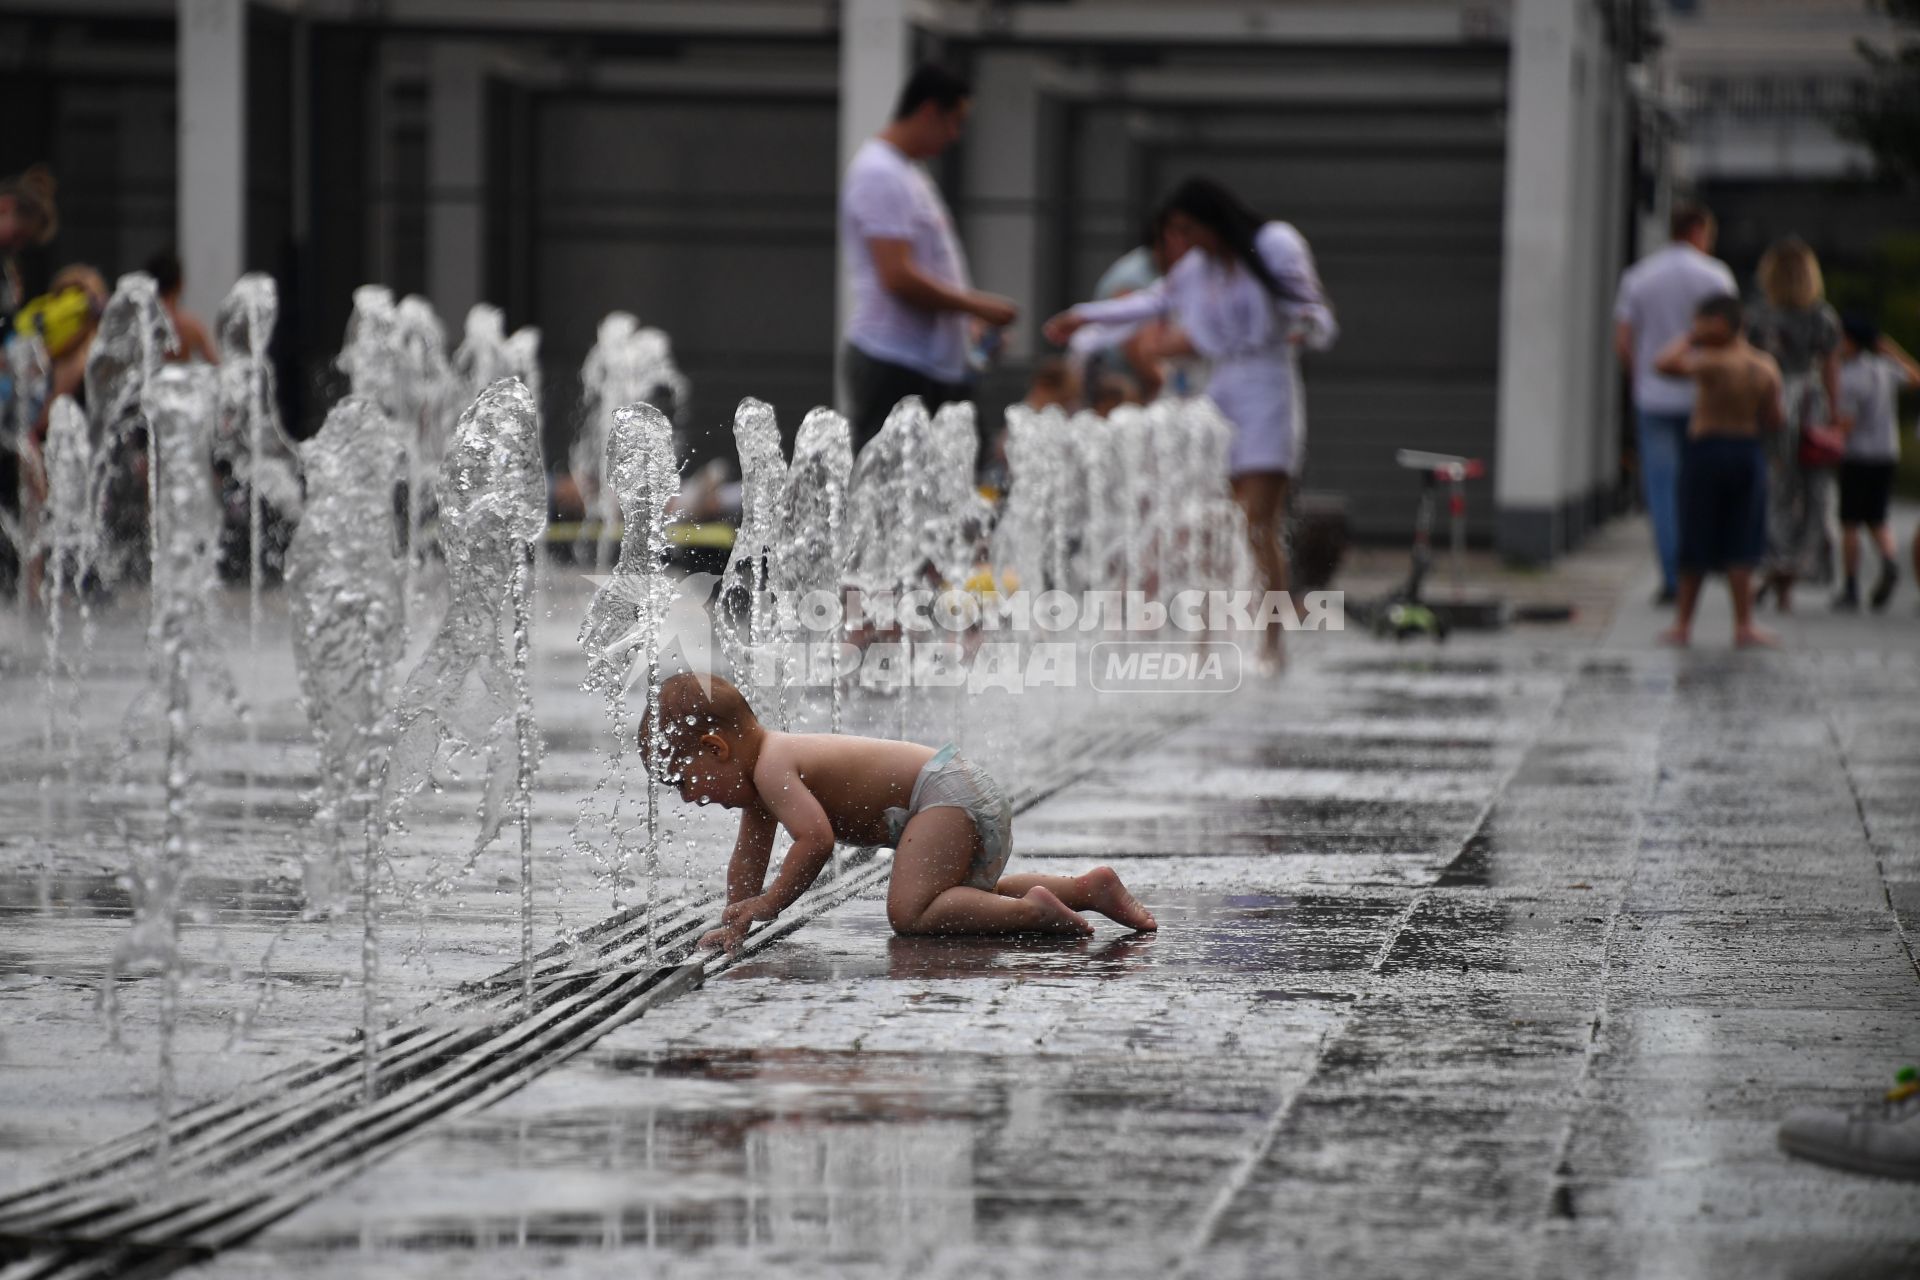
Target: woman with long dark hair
1243,294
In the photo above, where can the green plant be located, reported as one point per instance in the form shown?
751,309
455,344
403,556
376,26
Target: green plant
1885,118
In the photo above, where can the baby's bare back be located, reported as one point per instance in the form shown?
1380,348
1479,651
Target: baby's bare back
856,780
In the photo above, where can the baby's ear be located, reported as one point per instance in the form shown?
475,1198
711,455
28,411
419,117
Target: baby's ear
721,748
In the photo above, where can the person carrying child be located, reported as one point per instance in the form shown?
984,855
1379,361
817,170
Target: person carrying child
1873,369
948,822
1723,465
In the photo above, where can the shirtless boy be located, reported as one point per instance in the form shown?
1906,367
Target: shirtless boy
1723,468
949,824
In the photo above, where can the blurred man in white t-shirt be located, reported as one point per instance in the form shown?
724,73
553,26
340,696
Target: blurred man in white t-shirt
1658,297
912,302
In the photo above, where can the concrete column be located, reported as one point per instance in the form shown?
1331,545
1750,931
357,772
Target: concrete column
1537,288
1002,176
1576,319
456,170
212,207
873,67
1589,309
1613,259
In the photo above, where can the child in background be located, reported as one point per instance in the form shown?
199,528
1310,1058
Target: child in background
1873,370
193,341
1111,390
950,827
1055,385
1723,469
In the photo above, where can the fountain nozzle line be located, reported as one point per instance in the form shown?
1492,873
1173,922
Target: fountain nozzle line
497,1059
263,1159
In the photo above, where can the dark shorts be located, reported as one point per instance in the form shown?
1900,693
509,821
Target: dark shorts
1723,504
875,386
1865,490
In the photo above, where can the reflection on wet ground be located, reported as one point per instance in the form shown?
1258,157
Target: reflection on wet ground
1471,964
55,894
786,1155
1067,1092
926,958
1273,827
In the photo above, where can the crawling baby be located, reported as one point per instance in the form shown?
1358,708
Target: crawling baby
948,822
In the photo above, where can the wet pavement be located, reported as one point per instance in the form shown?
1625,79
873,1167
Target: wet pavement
1497,959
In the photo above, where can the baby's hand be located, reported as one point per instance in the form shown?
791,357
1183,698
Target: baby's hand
747,910
736,920
727,937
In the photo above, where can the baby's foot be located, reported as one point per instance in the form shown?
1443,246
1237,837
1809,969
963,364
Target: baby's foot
1111,899
1061,918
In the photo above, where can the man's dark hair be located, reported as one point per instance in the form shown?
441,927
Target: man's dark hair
1723,306
1688,218
931,82
164,267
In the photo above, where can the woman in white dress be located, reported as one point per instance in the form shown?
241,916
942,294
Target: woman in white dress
1243,294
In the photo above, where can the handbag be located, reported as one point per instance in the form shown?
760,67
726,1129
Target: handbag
1821,446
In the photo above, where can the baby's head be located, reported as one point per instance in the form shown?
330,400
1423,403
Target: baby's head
709,740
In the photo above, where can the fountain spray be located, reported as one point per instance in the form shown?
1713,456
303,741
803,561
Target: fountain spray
346,601
468,694
625,622
129,348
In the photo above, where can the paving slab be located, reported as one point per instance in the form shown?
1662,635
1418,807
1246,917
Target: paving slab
1498,959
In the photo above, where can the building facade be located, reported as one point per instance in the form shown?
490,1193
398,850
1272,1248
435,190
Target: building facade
1754,89
1471,175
